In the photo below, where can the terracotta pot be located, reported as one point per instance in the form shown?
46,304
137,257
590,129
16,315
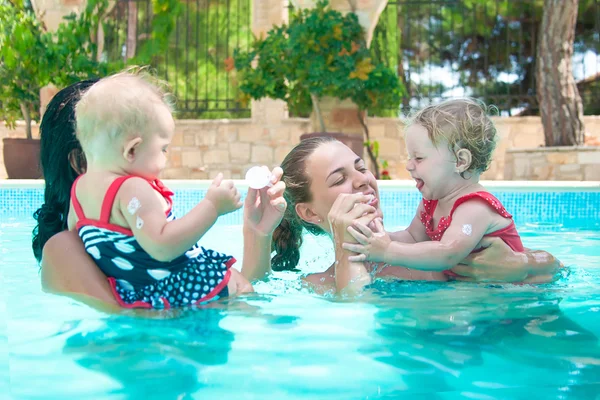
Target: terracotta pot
355,142
22,158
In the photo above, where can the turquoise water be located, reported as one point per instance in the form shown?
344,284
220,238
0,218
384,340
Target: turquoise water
399,340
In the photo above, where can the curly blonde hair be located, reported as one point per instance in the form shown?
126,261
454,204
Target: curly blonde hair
118,107
464,124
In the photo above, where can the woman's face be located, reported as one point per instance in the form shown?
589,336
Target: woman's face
335,169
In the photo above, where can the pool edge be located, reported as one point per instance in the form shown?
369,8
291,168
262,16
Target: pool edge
517,186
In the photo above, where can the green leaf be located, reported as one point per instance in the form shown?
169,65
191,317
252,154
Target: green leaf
319,51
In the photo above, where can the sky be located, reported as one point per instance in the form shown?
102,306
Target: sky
584,65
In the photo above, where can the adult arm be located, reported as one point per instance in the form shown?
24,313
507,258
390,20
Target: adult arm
69,271
350,276
263,211
325,282
499,263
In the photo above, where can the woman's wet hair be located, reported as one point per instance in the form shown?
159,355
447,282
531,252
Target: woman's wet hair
60,153
287,237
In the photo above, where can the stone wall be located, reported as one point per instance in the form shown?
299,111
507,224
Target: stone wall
202,148
513,132
580,163
528,133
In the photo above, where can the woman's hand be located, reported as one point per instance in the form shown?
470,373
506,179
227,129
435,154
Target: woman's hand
263,211
346,209
264,208
350,277
499,263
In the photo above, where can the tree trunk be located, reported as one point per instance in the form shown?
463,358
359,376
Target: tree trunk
560,104
402,74
131,29
27,117
317,111
368,144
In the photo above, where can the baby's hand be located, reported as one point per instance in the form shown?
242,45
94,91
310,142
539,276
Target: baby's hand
223,195
372,245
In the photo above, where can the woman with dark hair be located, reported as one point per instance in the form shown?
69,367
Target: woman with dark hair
58,142
329,188
66,268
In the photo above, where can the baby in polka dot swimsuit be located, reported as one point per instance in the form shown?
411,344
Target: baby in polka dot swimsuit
123,212
449,145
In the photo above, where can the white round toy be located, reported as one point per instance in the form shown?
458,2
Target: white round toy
258,177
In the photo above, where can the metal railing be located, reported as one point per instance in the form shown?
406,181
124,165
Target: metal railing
205,34
482,48
439,48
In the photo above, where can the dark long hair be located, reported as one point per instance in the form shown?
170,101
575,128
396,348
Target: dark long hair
287,237
57,148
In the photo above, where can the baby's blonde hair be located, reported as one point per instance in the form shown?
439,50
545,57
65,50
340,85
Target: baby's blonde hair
119,107
464,123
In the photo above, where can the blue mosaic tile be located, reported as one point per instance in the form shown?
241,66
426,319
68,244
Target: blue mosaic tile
569,209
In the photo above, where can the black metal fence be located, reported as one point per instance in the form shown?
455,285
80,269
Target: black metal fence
439,48
481,48
205,34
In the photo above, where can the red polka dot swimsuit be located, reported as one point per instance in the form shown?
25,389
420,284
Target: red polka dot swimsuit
509,234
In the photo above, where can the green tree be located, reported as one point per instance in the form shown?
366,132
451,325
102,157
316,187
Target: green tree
31,58
320,53
482,39
27,58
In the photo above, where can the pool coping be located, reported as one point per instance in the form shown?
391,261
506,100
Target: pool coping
517,186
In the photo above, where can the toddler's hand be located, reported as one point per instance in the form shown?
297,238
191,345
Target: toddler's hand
223,195
372,245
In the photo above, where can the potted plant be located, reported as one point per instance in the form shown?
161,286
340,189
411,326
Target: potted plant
31,58
25,66
319,56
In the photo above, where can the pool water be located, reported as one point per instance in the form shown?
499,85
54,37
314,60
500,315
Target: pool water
399,340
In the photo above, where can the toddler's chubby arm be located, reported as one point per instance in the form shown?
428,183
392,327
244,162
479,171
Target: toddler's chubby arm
165,240
469,225
415,232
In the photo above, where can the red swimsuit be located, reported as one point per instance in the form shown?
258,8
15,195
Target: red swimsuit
509,234
137,279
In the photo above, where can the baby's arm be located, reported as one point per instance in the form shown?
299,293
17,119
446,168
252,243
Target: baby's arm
415,232
469,225
165,240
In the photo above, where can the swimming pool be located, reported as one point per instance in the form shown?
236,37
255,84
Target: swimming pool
402,339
